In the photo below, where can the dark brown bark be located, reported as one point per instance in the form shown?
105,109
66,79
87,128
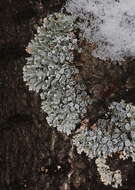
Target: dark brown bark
34,156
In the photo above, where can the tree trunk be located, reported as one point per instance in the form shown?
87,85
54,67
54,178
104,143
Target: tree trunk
34,156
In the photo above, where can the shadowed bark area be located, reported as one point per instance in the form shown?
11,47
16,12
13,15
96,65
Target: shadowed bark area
34,156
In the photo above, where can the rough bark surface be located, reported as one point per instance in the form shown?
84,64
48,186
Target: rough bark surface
34,156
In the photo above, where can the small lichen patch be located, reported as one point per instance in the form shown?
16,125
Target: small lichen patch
107,176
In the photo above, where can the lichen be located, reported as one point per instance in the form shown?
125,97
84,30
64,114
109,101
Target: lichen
50,72
108,177
112,135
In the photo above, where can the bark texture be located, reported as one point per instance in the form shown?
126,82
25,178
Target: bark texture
34,156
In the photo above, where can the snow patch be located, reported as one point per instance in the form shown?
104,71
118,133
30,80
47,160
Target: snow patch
108,23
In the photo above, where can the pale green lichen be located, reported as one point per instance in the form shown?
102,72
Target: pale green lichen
113,135
50,72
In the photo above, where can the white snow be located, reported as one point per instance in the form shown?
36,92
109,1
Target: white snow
111,26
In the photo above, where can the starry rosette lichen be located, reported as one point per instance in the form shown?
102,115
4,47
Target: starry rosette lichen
50,72
113,135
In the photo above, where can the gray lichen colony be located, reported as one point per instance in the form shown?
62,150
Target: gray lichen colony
50,72
113,135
